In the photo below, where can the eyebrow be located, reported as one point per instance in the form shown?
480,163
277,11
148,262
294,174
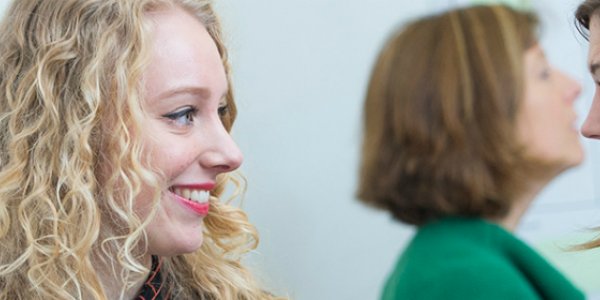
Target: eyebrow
201,92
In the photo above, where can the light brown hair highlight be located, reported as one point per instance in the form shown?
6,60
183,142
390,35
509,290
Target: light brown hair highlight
440,116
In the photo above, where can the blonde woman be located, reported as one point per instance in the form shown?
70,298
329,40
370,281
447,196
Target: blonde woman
465,122
115,147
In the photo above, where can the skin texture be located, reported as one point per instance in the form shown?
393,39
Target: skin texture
185,85
591,126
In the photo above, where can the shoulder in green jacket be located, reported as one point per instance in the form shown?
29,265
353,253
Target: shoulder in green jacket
460,258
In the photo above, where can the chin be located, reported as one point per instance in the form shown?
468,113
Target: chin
577,157
571,161
176,245
187,248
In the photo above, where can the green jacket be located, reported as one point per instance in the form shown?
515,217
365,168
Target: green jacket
461,258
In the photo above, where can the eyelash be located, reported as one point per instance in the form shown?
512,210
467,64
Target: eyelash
223,110
189,113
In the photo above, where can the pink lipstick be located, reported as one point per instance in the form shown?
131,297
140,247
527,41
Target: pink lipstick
194,196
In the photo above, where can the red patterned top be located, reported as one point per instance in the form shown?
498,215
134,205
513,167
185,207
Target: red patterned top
154,288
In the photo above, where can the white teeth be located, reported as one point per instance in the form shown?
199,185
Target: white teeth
199,196
185,193
193,195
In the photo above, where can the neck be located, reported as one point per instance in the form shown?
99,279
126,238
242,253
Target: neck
520,206
109,273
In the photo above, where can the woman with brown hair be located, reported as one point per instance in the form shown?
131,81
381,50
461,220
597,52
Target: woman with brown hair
115,152
465,122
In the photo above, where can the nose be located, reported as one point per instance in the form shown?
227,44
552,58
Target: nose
223,154
591,125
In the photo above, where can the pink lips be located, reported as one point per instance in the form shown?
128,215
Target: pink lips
209,186
198,208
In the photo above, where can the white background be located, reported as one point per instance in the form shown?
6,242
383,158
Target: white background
301,69
300,72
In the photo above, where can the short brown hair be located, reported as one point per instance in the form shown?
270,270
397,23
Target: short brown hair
584,13
440,116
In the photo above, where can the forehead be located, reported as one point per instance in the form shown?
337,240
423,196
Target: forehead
183,56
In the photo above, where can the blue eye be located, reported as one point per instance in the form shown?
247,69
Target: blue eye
183,117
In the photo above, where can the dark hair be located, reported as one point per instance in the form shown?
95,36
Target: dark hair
584,14
440,134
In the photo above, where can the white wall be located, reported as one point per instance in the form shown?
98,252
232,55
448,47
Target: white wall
301,69
4,5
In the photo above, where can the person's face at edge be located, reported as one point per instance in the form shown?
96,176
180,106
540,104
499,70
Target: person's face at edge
185,88
547,117
591,126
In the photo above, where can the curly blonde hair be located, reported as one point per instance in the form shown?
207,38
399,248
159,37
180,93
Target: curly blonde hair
70,94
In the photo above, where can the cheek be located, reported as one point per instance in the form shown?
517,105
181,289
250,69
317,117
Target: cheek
537,130
545,128
171,161
542,113
548,136
143,202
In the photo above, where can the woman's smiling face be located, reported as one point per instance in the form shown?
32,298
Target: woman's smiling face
185,87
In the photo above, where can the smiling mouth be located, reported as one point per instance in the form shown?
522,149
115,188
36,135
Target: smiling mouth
194,195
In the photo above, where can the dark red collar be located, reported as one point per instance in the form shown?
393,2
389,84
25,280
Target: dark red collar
154,288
